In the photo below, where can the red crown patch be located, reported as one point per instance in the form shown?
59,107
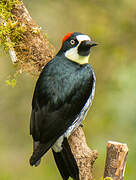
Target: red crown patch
67,36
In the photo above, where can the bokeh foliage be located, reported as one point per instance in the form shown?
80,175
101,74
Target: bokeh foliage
113,114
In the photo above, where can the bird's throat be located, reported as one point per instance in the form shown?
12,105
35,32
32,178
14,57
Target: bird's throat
73,55
81,60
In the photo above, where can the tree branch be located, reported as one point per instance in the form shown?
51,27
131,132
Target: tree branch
34,51
115,160
84,156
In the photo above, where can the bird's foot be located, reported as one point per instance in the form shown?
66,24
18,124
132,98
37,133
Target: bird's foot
81,125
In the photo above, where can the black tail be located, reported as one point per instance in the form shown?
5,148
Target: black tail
66,162
39,151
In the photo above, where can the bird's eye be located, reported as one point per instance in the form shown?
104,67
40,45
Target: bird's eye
72,42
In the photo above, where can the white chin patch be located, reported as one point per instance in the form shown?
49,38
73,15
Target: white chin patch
73,55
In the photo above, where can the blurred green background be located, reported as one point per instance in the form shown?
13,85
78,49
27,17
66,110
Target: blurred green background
113,114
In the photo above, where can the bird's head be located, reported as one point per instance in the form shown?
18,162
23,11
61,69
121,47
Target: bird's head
76,47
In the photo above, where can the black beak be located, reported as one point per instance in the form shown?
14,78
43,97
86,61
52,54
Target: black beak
91,43
84,47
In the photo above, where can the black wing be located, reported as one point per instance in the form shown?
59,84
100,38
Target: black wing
59,96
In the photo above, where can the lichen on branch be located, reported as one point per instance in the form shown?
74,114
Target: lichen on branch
22,37
10,29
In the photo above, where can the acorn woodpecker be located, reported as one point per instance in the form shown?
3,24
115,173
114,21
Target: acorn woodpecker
61,100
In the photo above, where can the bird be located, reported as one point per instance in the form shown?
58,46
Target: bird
62,97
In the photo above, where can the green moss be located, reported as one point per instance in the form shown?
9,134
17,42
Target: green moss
11,82
36,30
10,29
107,178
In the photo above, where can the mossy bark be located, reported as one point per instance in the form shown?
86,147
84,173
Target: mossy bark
33,51
23,38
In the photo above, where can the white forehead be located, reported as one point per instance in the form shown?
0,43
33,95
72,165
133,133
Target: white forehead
83,38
